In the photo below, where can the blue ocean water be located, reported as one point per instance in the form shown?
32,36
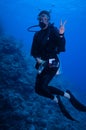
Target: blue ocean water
17,15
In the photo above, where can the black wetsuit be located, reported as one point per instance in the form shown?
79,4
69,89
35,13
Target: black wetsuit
46,45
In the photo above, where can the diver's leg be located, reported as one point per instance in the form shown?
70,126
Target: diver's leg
42,81
41,91
57,91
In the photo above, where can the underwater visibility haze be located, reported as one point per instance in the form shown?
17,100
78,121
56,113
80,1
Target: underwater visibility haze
20,107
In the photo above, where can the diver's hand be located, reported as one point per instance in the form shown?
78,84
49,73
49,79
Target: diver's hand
39,60
62,27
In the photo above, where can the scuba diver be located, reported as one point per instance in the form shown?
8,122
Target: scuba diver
47,44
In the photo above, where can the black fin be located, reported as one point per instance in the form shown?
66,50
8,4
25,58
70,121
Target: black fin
64,111
79,106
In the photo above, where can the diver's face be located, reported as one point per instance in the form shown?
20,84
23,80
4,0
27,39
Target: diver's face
44,19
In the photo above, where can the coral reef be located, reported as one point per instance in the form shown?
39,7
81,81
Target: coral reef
20,107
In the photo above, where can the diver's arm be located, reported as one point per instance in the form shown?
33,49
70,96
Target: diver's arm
60,40
61,43
35,50
62,27
35,47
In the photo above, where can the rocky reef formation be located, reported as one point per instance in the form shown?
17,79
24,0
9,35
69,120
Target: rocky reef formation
20,107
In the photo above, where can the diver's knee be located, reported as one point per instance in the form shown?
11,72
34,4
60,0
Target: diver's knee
37,89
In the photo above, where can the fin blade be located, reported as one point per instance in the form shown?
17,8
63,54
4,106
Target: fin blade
79,106
64,111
